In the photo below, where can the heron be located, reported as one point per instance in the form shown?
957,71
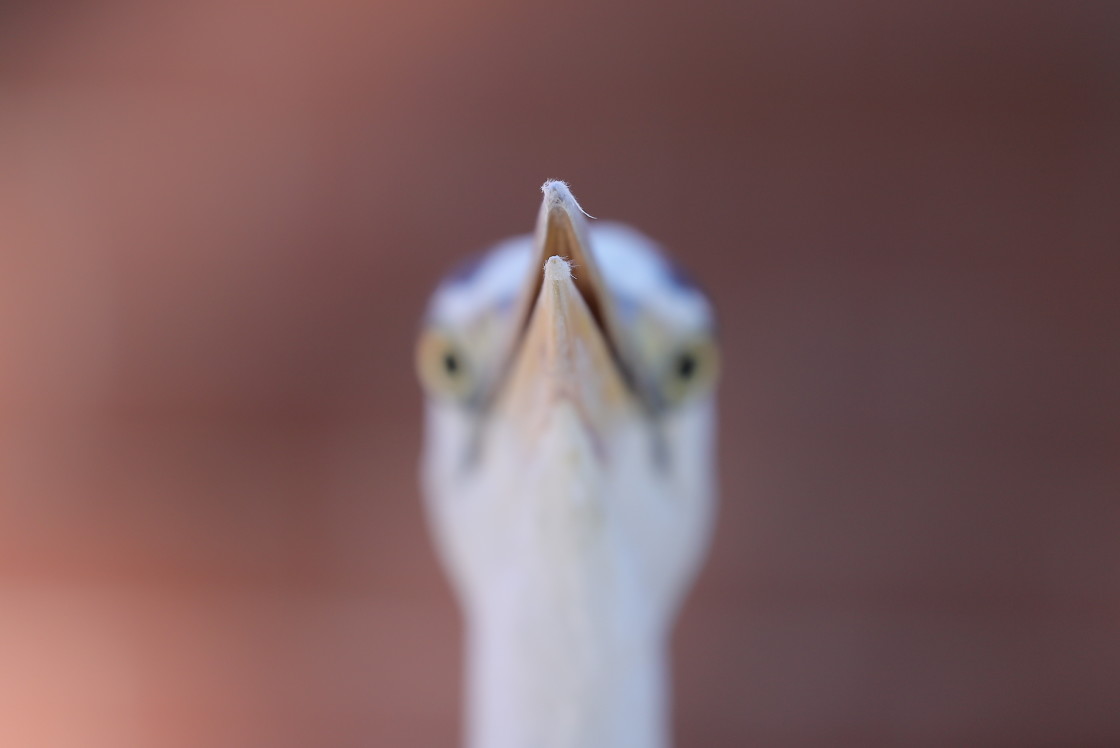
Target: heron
568,474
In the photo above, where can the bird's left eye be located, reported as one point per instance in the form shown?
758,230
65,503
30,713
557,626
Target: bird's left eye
443,365
692,367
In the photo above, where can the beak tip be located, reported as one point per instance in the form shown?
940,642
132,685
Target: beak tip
555,191
556,268
558,196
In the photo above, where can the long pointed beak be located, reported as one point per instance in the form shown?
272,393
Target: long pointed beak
568,348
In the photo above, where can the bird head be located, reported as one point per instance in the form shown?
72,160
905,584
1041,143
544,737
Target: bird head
570,382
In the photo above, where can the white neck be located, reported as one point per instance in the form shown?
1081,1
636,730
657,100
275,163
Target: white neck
569,574
565,662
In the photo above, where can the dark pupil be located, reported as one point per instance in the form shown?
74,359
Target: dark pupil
451,363
686,366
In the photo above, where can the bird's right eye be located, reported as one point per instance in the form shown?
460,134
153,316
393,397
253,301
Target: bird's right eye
693,368
443,365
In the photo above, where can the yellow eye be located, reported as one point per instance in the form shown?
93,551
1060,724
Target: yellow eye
692,367
443,365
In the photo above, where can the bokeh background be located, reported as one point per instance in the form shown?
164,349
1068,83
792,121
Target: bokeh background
220,220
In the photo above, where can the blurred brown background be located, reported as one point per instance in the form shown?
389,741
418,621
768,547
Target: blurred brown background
220,220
